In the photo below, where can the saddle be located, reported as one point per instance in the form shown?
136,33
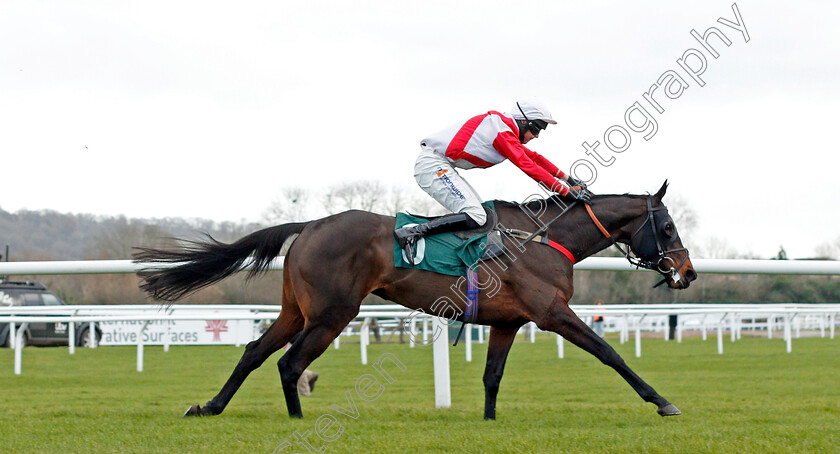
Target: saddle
495,240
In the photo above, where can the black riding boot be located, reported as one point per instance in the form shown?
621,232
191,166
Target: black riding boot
407,236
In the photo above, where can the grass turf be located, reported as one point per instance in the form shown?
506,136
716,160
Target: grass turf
754,398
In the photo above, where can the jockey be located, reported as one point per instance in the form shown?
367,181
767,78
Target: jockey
483,141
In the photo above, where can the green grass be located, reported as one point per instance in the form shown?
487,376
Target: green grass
754,398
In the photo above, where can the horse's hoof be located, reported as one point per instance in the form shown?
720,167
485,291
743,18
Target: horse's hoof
669,410
195,410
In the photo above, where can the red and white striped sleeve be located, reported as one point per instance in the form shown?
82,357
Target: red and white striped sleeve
508,145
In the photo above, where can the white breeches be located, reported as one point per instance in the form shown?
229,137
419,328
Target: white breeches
438,178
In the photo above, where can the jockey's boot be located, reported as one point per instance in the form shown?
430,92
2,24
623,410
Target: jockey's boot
407,236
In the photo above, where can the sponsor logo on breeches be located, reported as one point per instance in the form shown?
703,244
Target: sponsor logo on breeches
441,173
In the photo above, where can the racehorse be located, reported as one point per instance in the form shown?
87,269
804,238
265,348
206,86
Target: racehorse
332,263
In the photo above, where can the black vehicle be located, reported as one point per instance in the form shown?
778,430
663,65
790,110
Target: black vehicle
36,294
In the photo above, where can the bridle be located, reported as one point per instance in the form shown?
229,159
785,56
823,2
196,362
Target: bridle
643,240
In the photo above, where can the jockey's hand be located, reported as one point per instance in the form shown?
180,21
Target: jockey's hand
575,182
581,195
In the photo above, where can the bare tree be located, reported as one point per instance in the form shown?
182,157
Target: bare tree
118,242
829,249
291,206
364,195
297,204
396,200
683,215
426,206
399,199
717,248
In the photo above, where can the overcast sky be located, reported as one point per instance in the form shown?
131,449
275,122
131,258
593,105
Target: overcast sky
208,109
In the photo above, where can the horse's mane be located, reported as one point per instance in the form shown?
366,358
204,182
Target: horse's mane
534,204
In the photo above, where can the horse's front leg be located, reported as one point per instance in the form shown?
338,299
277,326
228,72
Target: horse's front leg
562,320
500,342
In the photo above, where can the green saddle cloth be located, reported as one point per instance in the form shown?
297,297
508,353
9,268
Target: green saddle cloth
445,253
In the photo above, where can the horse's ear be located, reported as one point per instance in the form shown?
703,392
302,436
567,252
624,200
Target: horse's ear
661,192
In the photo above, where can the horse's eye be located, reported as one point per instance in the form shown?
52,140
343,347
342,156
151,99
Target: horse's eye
668,230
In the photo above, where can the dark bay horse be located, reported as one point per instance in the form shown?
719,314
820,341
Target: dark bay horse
332,263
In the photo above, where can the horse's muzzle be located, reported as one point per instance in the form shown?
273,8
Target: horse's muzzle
688,276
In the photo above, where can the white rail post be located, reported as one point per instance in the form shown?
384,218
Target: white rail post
12,335
92,335
71,337
831,325
787,332
797,321
638,341
481,329
822,325
140,346
440,350
412,331
167,335
679,330
364,333
732,327
625,330
468,342
19,347
560,352
532,331
139,355
770,319
425,330
720,335
703,326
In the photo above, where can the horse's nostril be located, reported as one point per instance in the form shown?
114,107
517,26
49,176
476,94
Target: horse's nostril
690,275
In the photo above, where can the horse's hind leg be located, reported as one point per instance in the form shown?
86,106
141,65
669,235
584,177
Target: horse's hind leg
567,324
315,338
281,331
500,342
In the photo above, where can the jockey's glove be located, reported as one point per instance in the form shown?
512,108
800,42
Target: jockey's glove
575,182
581,195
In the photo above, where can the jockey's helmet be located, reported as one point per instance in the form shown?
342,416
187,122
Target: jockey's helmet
531,116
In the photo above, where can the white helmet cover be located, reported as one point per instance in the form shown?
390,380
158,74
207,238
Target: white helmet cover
533,110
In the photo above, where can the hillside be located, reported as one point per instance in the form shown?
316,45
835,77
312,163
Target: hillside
49,235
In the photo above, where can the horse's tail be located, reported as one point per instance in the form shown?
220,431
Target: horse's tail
174,274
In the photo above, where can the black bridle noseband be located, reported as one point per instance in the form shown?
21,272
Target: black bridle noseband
648,245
